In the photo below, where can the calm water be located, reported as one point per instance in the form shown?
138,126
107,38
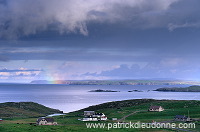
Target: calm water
74,97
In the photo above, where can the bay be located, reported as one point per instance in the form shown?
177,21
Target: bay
69,98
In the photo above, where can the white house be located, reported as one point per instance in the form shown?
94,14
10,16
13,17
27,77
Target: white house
46,121
89,119
156,108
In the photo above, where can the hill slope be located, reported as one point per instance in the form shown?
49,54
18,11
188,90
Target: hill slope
24,109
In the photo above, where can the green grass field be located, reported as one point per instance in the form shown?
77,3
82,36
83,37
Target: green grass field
138,110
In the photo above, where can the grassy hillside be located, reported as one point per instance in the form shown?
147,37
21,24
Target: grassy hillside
124,111
24,109
172,107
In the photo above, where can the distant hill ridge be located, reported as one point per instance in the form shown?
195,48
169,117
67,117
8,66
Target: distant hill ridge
116,82
24,110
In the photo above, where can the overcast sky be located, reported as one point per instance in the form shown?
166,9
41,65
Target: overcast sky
99,39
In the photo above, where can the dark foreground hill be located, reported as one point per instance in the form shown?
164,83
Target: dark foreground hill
24,110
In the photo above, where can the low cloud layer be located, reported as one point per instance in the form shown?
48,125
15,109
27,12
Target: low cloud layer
166,69
19,74
172,27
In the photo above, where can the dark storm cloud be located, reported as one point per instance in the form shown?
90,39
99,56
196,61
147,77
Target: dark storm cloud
117,29
23,18
75,55
160,37
144,46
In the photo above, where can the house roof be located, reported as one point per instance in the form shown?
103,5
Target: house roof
181,117
155,107
98,113
47,119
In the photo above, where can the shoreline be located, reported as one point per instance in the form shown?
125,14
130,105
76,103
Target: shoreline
103,103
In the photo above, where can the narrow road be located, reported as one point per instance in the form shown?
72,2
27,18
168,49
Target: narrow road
123,118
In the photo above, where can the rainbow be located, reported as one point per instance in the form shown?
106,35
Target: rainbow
53,79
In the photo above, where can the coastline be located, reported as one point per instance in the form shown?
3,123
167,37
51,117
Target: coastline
75,97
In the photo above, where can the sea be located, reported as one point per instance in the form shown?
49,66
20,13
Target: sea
68,98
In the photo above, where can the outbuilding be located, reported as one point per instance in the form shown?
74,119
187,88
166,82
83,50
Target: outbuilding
46,121
181,118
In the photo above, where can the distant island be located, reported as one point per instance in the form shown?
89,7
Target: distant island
135,90
100,90
193,88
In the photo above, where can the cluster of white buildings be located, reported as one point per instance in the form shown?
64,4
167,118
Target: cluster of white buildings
92,116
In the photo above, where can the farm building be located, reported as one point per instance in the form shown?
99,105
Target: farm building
156,108
46,121
181,118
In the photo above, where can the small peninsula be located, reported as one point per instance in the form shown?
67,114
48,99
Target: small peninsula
193,88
